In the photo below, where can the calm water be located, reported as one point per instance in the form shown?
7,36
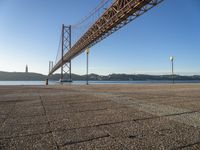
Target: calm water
93,82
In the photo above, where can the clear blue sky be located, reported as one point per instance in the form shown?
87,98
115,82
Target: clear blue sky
30,30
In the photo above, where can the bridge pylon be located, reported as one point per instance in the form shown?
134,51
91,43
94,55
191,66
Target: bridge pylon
66,46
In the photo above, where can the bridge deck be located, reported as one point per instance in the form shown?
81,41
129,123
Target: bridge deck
120,13
100,116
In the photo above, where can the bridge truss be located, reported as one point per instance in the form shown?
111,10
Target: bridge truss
120,13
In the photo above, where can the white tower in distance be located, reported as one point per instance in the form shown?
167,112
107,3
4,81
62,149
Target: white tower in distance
26,70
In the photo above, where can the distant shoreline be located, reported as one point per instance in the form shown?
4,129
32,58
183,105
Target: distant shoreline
20,76
82,82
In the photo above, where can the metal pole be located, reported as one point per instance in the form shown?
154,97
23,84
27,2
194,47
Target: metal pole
87,69
61,77
49,66
87,51
47,81
70,71
173,71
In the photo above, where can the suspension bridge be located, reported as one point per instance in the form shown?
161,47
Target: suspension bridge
108,17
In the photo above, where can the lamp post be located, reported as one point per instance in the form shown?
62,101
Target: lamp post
172,63
87,52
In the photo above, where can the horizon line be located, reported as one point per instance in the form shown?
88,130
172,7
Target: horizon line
153,74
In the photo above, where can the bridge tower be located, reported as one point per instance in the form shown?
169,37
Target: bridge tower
66,46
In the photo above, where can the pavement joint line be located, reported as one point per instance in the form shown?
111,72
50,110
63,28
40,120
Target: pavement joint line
100,101
91,126
13,117
72,112
118,122
160,96
123,145
56,144
37,94
25,135
9,113
16,101
127,104
185,146
108,134
87,140
24,116
77,112
157,109
74,103
138,93
187,101
104,124
92,110
27,123
177,114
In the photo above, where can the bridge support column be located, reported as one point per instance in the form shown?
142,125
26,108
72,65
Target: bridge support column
66,46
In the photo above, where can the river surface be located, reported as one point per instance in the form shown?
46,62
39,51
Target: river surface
95,82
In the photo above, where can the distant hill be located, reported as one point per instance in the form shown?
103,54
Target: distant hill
21,76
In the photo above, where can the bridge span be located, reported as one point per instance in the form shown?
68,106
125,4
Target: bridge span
117,15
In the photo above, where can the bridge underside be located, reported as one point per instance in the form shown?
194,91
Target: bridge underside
118,15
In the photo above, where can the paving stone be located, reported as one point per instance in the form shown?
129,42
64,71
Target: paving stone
3,116
67,99
162,139
73,110
5,109
75,136
191,105
1,121
57,107
35,142
106,143
35,102
28,111
143,127
100,117
27,120
16,130
77,120
193,146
